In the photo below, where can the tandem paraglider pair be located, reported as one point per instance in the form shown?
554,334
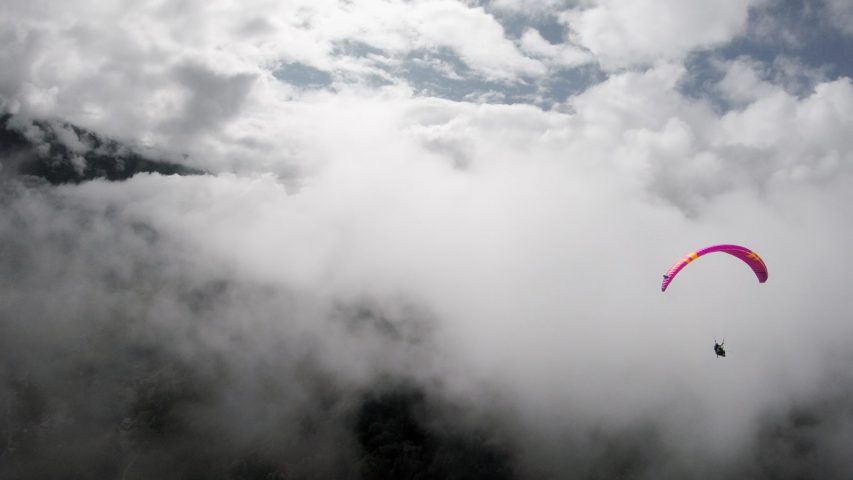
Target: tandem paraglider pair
748,256
719,350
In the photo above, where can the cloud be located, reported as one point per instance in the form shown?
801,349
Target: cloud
537,6
524,253
624,35
212,100
560,55
153,75
502,258
841,15
477,37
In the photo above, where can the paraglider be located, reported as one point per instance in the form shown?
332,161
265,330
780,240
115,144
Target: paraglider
719,350
748,256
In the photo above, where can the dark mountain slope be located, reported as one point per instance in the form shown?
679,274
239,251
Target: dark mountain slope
64,153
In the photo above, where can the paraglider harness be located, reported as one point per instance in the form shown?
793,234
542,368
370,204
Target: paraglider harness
719,350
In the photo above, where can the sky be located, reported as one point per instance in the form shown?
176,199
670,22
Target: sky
472,198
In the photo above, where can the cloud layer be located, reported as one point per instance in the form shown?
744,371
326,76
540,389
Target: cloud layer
360,232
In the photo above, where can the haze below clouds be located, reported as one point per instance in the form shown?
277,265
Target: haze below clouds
405,192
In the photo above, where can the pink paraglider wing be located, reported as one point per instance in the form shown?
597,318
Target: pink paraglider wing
748,256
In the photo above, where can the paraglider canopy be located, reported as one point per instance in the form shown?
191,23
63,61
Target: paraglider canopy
748,256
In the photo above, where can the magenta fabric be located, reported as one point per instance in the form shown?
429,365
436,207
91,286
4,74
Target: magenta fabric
748,256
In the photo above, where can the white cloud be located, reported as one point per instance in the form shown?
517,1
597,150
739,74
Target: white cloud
476,36
744,82
538,7
150,71
398,27
564,55
627,34
803,136
534,239
540,257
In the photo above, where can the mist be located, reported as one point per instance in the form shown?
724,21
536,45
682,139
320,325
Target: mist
369,279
